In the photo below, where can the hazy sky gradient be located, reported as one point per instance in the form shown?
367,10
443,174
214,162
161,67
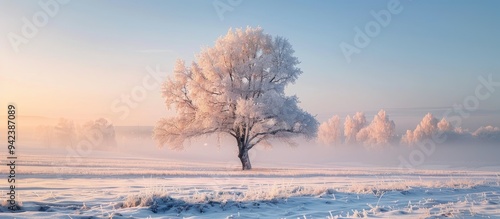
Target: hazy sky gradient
93,52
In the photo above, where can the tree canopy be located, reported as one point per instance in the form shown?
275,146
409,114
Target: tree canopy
236,87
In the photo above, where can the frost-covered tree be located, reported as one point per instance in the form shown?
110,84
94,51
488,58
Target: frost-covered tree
379,131
444,125
329,132
100,132
235,87
352,125
487,133
428,127
65,133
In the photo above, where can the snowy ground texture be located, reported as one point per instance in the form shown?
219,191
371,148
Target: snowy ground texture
133,188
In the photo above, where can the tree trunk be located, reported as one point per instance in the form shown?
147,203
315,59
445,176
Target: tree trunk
245,160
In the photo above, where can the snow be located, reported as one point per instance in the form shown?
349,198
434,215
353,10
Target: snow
124,187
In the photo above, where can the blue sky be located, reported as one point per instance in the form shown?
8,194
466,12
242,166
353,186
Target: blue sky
90,53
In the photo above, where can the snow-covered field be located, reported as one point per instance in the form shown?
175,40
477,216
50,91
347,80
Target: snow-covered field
53,187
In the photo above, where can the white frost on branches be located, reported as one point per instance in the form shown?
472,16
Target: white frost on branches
329,132
236,87
428,127
379,131
67,133
353,125
487,133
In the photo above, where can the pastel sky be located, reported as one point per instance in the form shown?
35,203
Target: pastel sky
90,54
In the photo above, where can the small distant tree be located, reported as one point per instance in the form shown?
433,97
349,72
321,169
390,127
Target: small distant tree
428,127
100,132
236,87
330,132
352,125
65,133
379,131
